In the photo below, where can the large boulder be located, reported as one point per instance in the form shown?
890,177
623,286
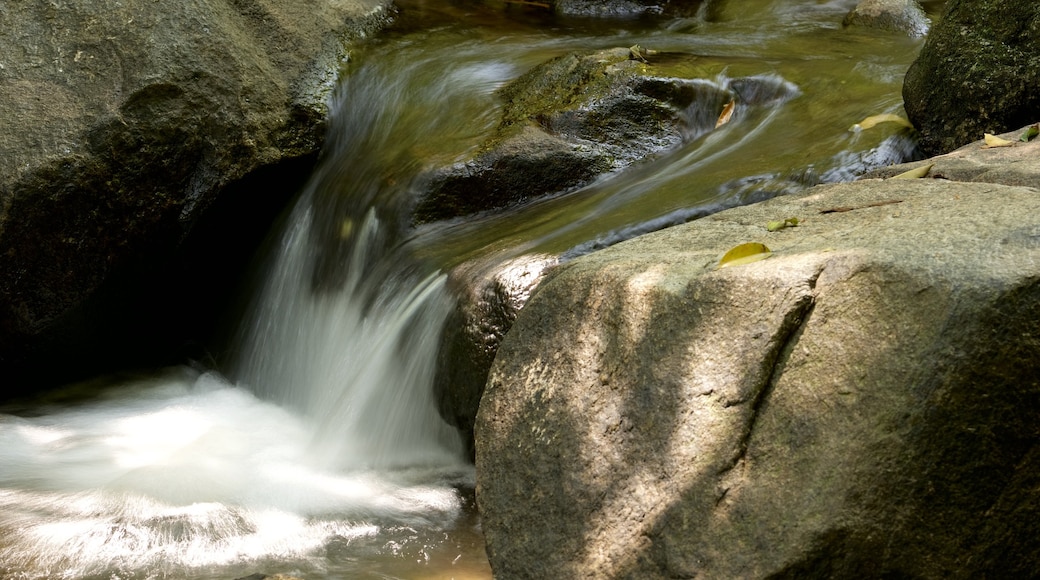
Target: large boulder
862,403
583,115
977,73
124,123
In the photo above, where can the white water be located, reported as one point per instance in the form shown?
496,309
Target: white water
325,437
183,473
187,472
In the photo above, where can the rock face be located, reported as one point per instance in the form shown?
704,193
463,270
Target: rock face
976,73
904,16
863,402
581,116
489,300
124,122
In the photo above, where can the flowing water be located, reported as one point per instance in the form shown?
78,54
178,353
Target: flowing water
315,449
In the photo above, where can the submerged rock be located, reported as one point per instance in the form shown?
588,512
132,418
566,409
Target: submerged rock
630,8
864,399
581,116
124,123
977,73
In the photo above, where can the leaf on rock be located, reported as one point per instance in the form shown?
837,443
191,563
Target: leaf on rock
875,120
778,225
915,173
994,141
745,254
727,114
1030,133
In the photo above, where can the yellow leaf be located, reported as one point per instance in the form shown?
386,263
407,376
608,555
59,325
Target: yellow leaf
775,226
727,113
346,228
915,173
745,254
994,141
874,120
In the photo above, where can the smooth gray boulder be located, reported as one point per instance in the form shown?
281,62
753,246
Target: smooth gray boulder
863,403
905,16
1015,164
977,73
124,122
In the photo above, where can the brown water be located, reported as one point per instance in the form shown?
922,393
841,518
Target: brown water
316,452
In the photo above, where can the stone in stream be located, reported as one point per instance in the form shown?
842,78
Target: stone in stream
864,402
905,16
581,116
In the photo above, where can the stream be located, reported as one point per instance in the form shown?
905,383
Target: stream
313,447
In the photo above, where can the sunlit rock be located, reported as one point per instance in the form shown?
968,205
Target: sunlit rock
1018,164
904,16
862,402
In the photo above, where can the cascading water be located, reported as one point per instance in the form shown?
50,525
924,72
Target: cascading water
319,452
325,438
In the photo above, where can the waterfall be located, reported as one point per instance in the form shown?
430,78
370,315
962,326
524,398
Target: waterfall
323,435
346,326
357,359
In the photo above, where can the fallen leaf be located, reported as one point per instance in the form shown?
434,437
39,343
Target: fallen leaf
1030,133
916,173
778,225
994,141
637,52
874,120
727,113
745,254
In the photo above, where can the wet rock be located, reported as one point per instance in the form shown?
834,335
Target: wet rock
581,116
489,297
123,125
629,8
904,16
862,402
977,73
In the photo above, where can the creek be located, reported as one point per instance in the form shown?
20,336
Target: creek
314,448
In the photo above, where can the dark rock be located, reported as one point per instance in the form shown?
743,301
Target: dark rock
488,301
124,125
580,116
861,404
977,73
